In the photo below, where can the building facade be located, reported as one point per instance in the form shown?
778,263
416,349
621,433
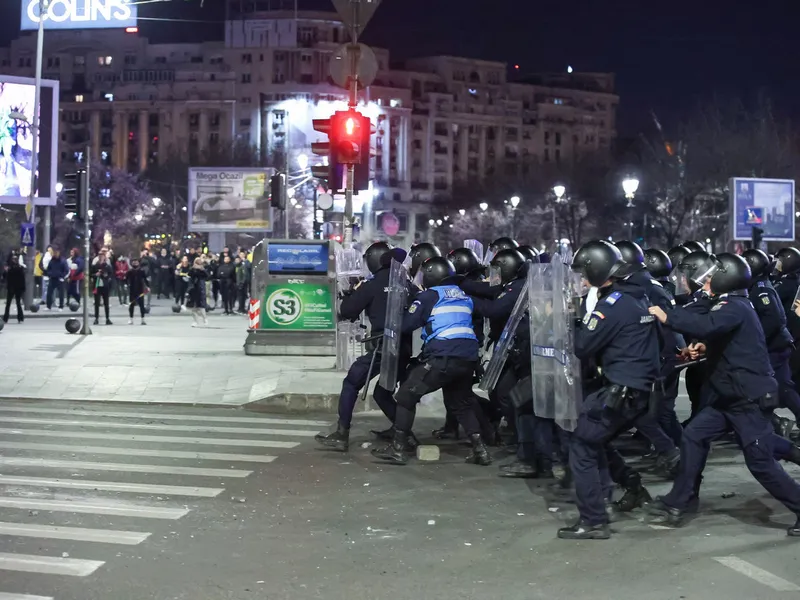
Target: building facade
439,120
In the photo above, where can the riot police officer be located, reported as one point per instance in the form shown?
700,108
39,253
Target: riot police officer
448,360
419,253
741,394
368,296
502,243
530,254
780,344
694,246
624,340
666,449
787,273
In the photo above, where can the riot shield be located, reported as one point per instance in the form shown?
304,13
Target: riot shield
504,344
555,371
349,269
476,247
392,329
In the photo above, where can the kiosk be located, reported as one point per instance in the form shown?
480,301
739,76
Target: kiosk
294,295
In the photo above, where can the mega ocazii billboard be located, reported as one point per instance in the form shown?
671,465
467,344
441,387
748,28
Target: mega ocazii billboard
80,14
17,98
234,199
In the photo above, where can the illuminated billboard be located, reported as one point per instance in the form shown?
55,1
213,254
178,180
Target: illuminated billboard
80,14
17,97
764,203
235,199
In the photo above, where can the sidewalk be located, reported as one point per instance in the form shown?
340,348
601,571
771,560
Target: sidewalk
166,362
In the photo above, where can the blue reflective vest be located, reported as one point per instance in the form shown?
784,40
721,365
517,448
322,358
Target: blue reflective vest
451,316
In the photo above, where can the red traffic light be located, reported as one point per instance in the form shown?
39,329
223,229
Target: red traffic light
350,131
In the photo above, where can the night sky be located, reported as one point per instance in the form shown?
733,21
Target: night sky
667,56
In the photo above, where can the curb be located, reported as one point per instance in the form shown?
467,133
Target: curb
299,403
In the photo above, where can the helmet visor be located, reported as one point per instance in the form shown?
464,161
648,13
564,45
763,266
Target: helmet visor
779,266
417,281
495,276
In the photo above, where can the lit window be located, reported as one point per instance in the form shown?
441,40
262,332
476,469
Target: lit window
558,101
79,98
395,102
104,60
109,97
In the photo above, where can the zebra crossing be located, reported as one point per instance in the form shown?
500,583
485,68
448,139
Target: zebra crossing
85,479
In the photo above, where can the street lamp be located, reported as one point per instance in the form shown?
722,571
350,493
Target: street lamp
462,212
514,201
302,161
156,202
629,186
431,222
59,187
483,206
559,190
138,218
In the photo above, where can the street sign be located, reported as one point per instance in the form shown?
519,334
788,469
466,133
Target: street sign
366,64
325,201
27,235
356,13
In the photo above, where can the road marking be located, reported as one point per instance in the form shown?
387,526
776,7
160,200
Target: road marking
167,417
14,461
49,565
61,449
78,534
7,596
152,426
158,439
111,486
114,508
661,528
757,574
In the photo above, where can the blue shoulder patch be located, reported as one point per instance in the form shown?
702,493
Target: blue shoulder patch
613,297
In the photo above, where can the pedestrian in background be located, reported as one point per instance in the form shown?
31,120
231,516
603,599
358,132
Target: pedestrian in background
101,275
15,287
44,262
147,264
56,271
166,266
121,268
197,292
241,283
138,287
77,271
181,281
227,283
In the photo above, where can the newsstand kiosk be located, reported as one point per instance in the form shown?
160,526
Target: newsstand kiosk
293,299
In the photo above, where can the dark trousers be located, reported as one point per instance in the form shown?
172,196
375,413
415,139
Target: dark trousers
101,295
500,396
357,377
215,290
667,417
695,376
165,280
53,286
590,454
74,290
138,300
226,288
756,437
13,295
451,375
180,291
242,293
783,374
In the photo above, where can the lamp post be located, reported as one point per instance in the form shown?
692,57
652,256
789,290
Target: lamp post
560,191
514,201
629,186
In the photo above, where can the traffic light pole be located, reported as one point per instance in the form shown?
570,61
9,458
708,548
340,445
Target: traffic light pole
86,330
351,169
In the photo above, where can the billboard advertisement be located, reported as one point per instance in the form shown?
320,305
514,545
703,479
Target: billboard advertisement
298,258
230,199
80,14
17,98
298,305
765,203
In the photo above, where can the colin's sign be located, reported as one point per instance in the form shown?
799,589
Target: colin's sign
79,14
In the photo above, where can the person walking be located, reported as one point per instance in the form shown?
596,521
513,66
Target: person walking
138,287
77,271
227,284
182,281
197,292
55,272
44,262
101,276
15,287
121,268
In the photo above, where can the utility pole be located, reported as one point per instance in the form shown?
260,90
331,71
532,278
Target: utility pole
355,6
87,246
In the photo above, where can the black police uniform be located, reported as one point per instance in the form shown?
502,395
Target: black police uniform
786,286
772,316
739,393
622,336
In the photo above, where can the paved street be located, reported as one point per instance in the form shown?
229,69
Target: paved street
176,503
166,361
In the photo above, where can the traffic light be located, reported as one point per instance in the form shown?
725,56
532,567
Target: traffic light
277,191
758,236
350,144
324,172
76,191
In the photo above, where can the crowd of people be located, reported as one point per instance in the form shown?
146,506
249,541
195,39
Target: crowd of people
635,322
197,281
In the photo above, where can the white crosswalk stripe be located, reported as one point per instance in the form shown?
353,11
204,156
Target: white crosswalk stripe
158,477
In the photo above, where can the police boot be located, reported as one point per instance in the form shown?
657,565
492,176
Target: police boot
446,432
794,531
396,450
634,497
584,531
667,465
660,512
383,434
520,470
480,453
338,440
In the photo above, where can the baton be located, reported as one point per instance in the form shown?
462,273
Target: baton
690,363
371,364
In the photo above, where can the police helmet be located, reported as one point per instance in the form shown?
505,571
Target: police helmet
503,243
732,274
598,261
374,254
677,254
758,261
694,246
435,270
631,253
788,260
464,260
420,253
695,266
529,253
509,262
657,262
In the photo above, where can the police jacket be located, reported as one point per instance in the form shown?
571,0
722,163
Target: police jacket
771,314
737,365
622,337
499,309
477,318
658,295
787,286
368,296
444,313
